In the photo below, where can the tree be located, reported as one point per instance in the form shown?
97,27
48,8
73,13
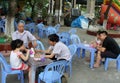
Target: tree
9,25
38,5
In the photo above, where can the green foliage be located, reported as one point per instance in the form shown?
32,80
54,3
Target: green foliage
5,38
39,7
42,5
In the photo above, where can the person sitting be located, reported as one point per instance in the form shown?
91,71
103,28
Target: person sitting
17,57
24,35
108,49
57,49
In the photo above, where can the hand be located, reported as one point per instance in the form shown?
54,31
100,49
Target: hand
27,50
38,50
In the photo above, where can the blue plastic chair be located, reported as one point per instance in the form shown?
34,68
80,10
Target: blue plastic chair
50,30
74,38
6,70
73,50
64,37
117,63
2,29
40,45
53,72
2,22
2,25
72,31
41,30
30,27
57,27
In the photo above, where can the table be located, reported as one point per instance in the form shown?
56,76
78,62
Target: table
34,65
88,48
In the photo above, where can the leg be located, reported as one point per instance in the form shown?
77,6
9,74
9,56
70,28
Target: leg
98,59
32,74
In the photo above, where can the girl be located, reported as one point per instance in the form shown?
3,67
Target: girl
17,57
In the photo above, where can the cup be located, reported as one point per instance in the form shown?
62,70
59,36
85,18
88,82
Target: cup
43,57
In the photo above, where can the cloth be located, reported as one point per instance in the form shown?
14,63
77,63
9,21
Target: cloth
23,67
111,45
26,36
15,61
61,51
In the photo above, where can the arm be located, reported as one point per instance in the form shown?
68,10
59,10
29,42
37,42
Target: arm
34,43
49,50
32,38
101,49
50,56
25,58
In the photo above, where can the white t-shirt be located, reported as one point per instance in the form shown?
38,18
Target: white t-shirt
15,61
61,51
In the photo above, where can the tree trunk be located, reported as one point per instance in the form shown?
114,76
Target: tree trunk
32,4
9,25
91,8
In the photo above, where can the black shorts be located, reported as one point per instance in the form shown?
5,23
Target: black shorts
108,54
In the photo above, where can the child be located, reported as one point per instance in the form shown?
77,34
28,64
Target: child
96,42
17,57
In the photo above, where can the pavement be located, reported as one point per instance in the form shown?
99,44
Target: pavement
81,72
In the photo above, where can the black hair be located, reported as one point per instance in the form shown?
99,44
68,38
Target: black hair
98,32
103,32
16,44
53,37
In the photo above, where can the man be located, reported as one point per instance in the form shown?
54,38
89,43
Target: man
24,35
109,48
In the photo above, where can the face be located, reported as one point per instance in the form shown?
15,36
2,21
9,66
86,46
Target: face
51,43
98,36
22,47
102,36
21,27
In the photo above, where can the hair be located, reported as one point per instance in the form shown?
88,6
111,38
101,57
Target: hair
21,21
16,44
103,32
98,32
53,37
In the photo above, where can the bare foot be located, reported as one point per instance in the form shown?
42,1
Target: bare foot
96,65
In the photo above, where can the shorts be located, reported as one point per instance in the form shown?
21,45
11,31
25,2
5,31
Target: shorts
108,54
23,67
